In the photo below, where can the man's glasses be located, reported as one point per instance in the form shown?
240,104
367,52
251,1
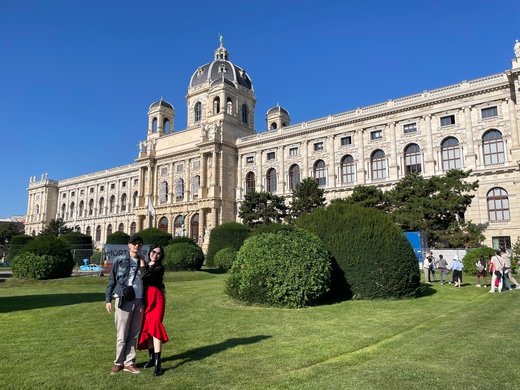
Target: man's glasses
137,243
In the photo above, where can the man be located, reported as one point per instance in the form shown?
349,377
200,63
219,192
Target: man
508,275
128,315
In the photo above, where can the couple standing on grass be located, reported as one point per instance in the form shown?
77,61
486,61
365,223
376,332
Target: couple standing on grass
138,321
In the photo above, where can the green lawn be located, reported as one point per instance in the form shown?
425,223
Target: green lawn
57,335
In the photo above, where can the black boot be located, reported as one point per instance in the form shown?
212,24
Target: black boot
150,362
158,370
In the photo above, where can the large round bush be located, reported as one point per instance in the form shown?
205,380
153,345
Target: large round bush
272,228
225,258
227,235
52,256
374,257
155,236
183,257
473,255
288,268
118,238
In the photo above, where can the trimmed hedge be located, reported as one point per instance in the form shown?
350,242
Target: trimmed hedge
473,255
227,235
374,257
178,240
80,245
155,236
16,245
272,228
118,238
225,258
52,256
183,257
288,269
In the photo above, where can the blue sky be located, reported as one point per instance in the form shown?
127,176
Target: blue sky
77,77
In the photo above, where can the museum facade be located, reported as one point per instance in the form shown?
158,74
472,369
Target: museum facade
187,182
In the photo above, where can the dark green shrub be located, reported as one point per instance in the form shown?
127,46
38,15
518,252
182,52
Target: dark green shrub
155,236
48,248
118,238
473,255
288,268
80,245
272,228
16,244
96,257
374,257
178,240
183,257
225,257
32,266
227,235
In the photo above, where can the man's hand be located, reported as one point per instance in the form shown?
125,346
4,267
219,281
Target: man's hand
108,307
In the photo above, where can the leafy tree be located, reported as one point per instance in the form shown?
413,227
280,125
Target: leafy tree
366,196
56,227
306,196
515,256
8,231
262,208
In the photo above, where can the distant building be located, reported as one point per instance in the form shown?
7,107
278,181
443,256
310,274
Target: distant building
187,182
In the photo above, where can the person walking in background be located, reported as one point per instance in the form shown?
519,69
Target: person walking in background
126,271
481,271
497,265
456,268
442,267
508,275
153,333
426,267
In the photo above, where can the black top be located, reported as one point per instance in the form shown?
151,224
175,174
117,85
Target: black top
153,276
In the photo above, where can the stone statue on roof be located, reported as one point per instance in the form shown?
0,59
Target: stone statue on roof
516,48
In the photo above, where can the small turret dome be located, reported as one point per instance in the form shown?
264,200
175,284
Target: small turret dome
160,103
277,110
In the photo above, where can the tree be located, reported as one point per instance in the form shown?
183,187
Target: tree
262,208
56,227
8,231
306,196
366,196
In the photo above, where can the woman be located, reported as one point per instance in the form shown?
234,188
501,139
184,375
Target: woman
456,268
153,334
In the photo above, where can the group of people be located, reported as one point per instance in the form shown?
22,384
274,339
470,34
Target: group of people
499,265
138,320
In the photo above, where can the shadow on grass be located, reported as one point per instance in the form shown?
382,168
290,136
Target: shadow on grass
29,302
216,271
425,291
197,354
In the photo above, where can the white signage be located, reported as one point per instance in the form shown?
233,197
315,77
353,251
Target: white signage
114,250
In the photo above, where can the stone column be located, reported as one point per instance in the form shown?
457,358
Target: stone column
305,158
513,120
393,171
429,162
331,172
187,189
470,160
361,176
281,175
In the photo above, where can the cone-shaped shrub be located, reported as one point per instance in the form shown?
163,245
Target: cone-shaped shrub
227,235
287,268
376,259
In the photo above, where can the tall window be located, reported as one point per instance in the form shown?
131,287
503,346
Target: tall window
216,105
98,233
348,173
81,207
378,164
194,228
163,224
134,200
121,228
91,207
320,173
133,228
250,182
109,229
270,179
178,225
412,159
195,186
493,147
154,125
229,106
179,189
63,210
112,204
123,202
166,126
72,209
498,205
450,152
294,176
245,114
88,231
163,192
198,112
101,206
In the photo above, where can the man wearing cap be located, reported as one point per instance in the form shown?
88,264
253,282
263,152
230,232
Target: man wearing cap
128,314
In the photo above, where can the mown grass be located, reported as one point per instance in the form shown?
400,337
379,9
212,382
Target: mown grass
56,334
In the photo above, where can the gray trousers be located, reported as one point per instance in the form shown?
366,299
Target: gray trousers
128,321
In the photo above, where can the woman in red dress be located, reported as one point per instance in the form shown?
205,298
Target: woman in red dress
153,334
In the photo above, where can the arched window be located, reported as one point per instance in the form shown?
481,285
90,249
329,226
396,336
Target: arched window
378,164
493,147
123,202
163,192
229,106
245,114
450,153
88,231
154,125
216,105
133,228
109,229
134,200
294,176
63,210
194,227
112,204
38,209
498,205
121,228
412,159
81,207
198,112
320,173
195,186
163,224
166,126
250,182
347,169
270,180
179,189
91,207
273,126
98,233
72,210
101,205
178,225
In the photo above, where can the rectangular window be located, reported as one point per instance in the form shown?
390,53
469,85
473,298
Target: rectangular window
64,195
250,160
345,141
92,190
101,188
293,151
501,242
72,193
410,128
318,146
179,167
113,186
82,192
136,181
376,134
448,120
271,155
489,112
195,164
164,171
123,184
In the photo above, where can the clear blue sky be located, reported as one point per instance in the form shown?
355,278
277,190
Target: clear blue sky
77,77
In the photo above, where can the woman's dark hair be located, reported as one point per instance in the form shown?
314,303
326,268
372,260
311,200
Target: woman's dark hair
158,259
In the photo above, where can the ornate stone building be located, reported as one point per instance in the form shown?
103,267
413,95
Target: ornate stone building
186,182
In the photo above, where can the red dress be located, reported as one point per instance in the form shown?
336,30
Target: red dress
153,308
